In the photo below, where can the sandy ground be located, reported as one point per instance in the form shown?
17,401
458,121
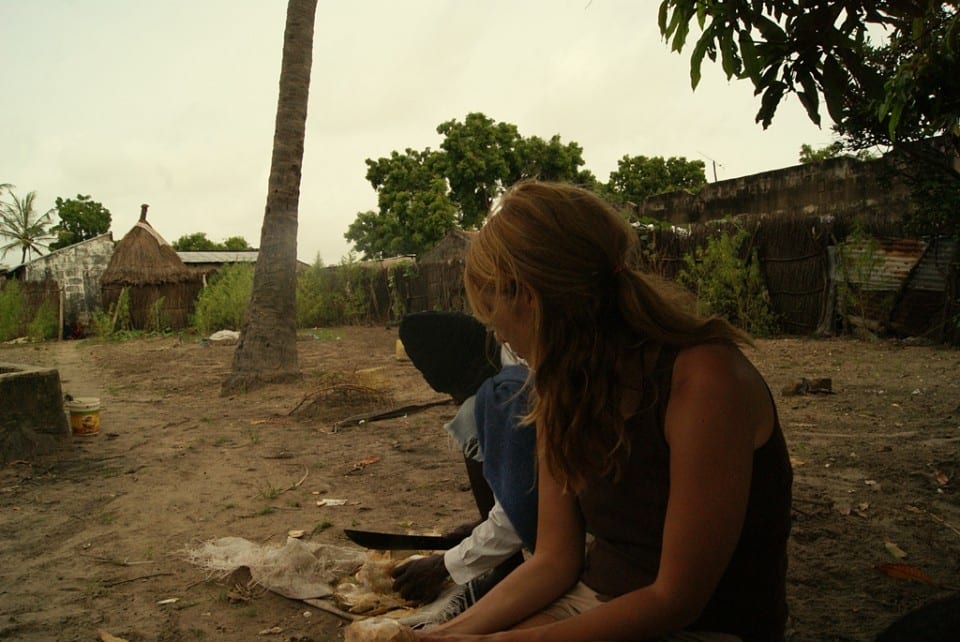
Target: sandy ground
94,536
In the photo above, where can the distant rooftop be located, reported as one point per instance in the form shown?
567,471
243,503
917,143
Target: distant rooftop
246,256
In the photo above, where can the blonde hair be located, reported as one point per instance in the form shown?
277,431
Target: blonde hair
575,253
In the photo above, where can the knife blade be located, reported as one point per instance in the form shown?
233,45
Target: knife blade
399,541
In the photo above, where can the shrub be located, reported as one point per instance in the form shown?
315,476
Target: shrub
12,310
157,319
337,296
222,303
729,286
858,261
45,323
116,320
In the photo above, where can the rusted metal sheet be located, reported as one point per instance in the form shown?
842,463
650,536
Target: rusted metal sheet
931,274
880,265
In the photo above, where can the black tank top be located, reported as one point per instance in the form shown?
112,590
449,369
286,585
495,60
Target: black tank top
626,519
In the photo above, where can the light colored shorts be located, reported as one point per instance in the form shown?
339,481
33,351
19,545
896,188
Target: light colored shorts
582,598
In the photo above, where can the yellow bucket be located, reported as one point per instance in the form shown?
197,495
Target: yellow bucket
84,415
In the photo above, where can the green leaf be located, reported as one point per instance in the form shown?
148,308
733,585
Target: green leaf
728,55
769,103
696,58
809,97
751,60
834,83
769,30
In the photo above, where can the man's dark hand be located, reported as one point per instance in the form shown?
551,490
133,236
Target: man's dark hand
420,580
462,532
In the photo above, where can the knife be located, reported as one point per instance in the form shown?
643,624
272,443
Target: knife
399,541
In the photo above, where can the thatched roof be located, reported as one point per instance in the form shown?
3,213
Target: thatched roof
449,249
142,257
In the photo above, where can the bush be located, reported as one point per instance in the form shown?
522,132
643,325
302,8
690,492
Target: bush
12,310
45,323
116,320
337,296
858,261
729,286
158,320
222,303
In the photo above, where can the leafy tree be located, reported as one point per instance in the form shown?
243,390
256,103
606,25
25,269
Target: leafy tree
80,219
638,177
220,305
423,194
236,244
267,351
25,228
198,242
835,149
483,157
415,210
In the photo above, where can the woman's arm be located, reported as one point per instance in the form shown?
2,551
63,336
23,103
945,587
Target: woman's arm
550,571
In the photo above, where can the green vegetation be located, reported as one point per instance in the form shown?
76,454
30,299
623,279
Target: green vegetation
12,306
24,227
17,319
858,261
422,195
835,149
80,219
728,285
321,526
222,303
115,322
198,242
340,296
157,319
45,323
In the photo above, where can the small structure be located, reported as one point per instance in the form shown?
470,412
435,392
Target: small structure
208,263
441,274
32,420
161,289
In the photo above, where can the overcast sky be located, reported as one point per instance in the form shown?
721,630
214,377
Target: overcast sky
173,103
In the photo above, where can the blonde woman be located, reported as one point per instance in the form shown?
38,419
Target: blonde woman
655,434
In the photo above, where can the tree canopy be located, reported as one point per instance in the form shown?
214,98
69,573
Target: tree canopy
836,149
423,194
822,47
638,177
198,242
81,218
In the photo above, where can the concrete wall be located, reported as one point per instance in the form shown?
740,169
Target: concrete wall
837,187
77,268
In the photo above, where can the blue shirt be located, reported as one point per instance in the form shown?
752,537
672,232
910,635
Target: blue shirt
509,448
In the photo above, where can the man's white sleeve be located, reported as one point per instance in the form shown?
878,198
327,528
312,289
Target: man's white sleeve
490,543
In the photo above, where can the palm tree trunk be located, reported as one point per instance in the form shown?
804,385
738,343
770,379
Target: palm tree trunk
267,350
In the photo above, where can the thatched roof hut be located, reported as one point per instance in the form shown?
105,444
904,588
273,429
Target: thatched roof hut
161,288
441,274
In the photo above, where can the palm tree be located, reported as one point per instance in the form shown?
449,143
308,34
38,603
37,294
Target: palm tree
267,350
27,230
